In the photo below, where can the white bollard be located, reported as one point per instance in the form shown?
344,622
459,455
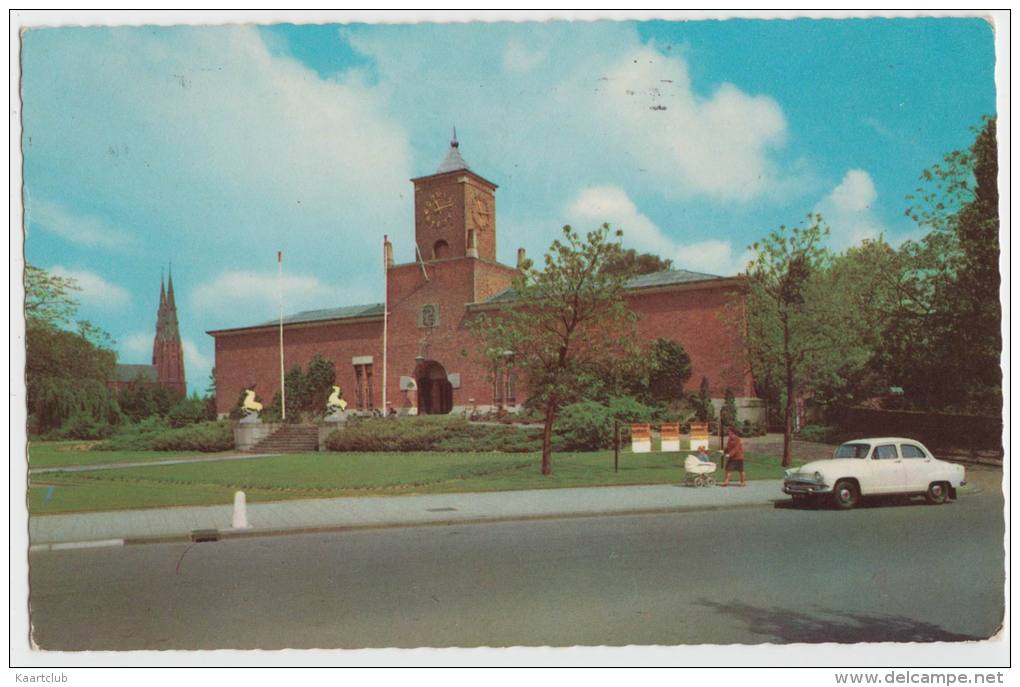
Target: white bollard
240,512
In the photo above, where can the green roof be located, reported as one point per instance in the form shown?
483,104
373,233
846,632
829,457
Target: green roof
348,312
642,281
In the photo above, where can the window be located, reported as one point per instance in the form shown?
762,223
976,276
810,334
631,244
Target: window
440,249
885,452
911,451
359,401
511,385
852,451
497,386
363,386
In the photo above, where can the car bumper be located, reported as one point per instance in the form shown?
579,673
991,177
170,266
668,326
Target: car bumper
805,488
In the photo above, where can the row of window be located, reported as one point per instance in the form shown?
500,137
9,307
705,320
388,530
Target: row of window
504,386
883,452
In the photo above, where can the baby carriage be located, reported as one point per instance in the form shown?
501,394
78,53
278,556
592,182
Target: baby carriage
698,471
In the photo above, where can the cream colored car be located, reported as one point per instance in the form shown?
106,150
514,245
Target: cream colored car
884,465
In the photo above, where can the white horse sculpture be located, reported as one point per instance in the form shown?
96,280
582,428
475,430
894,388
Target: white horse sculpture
336,400
250,405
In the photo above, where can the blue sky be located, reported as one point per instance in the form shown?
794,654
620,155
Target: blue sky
216,147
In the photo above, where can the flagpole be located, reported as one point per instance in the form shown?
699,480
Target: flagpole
385,319
279,288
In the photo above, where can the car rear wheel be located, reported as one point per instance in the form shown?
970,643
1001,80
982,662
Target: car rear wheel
938,493
845,494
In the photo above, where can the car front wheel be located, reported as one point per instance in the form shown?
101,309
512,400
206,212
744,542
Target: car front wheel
938,493
845,494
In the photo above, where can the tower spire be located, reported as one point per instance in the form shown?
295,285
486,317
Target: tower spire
453,162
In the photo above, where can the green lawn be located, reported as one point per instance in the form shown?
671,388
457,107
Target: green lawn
321,475
58,454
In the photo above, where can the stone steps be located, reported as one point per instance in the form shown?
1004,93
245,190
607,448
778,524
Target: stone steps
290,439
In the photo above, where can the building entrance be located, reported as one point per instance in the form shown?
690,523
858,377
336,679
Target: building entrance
435,393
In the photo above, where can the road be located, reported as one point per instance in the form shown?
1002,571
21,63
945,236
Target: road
889,572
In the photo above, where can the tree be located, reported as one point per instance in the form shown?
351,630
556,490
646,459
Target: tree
783,335
728,414
953,277
704,411
319,381
630,263
669,368
49,298
66,373
567,321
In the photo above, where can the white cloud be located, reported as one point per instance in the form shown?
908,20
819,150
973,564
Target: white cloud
717,146
201,136
80,229
95,290
849,210
242,293
855,193
612,204
578,98
137,346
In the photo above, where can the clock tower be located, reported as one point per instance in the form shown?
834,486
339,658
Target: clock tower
455,211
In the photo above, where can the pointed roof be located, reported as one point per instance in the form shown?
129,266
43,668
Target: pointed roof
166,317
453,162
170,289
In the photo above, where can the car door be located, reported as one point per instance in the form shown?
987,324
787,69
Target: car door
886,471
917,467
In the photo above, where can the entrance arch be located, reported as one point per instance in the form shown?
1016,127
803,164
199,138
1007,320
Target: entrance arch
435,393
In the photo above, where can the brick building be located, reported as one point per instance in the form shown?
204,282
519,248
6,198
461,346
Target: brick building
432,360
167,368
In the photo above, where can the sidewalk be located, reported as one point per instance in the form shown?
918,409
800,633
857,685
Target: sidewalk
135,526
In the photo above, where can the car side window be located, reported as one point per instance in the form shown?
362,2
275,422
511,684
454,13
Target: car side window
911,451
885,452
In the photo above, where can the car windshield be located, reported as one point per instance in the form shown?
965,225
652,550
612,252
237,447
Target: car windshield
852,451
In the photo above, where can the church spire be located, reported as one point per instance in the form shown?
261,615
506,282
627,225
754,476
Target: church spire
170,290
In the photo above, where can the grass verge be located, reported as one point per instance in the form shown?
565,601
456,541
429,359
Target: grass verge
324,475
61,454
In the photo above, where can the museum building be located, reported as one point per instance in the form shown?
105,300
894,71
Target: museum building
432,360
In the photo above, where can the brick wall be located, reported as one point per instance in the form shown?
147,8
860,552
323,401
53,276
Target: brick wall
707,323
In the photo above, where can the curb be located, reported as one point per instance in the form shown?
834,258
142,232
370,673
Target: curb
213,535
94,544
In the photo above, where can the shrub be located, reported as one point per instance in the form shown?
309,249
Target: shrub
588,425
820,433
83,426
205,437
189,411
431,433
153,435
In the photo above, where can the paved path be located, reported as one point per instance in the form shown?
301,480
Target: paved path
147,463
382,511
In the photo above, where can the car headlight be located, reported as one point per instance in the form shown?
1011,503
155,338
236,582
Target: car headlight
818,477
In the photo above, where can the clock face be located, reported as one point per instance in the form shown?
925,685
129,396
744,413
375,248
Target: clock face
481,212
438,209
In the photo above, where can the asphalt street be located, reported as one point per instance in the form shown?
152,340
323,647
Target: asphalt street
887,572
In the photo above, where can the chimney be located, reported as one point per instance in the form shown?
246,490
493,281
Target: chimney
472,249
387,252
521,258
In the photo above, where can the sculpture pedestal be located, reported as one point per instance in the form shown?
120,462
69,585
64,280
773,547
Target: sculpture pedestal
248,434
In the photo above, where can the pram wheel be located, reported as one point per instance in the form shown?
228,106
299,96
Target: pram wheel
699,481
709,481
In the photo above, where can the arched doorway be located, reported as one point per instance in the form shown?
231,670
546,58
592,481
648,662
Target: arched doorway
435,393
